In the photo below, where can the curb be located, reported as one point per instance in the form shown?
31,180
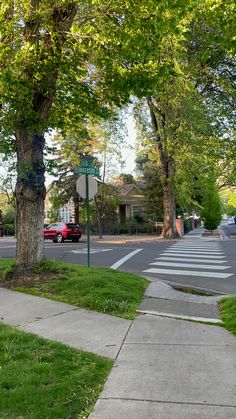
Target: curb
223,235
181,317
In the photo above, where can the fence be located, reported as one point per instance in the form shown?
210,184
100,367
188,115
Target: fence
128,228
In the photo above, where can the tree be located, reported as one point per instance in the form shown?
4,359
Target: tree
103,140
34,38
152,187
176,71
70,145
229,202
211,212
62,61
106,202
45,83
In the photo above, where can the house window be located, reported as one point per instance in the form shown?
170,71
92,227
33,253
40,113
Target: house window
137,210
66,214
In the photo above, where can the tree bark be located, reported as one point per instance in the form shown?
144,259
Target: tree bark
169,206
76,200
100,229
167,172
30,195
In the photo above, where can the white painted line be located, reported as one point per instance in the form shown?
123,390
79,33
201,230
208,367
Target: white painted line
180,316
194,235
197,243
196,252
203,246
187,273
200,249
190,265
179,259
191,255
124,259
85,250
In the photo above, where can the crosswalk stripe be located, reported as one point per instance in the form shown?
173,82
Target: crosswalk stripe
174,246
196,244
179,259
188,273
191,255
194,250
216,246
190,265
197,249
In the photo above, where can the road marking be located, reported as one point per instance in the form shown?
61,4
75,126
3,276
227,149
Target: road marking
179,259
190,265
85,250
204,255
195,243
197,249
124,259
187,273
194,252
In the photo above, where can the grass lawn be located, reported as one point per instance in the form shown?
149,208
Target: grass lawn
44,379
100,289
228,313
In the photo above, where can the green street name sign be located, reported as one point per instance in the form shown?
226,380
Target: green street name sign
80,170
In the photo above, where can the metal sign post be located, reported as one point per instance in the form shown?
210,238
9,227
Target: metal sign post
88,220
86,186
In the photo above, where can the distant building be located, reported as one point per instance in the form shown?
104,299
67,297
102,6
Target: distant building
65,213
131,202
131,205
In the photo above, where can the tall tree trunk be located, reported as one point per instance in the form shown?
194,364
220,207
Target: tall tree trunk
169,206
167,172
100,229
30,195
76,200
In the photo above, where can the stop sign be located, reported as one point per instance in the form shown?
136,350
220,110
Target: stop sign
81,186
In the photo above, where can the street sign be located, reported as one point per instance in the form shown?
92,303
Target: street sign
80,170
81,186
86,160
87,187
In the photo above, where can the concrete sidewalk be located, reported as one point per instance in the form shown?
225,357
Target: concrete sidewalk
171,369
164,368
79,328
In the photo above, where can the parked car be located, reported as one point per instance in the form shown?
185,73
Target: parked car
58,232
232,220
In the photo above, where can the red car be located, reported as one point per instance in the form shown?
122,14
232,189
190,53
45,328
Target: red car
58,232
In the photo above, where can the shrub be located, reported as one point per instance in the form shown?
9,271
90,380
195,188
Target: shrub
186,225
9,229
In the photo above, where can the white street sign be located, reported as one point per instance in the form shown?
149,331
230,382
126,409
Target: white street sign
81,186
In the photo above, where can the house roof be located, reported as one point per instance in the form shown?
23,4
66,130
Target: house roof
125,189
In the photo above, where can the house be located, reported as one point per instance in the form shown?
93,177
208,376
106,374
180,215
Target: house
131,205
131,202
65,213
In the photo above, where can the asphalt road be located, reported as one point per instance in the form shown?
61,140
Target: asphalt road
194,262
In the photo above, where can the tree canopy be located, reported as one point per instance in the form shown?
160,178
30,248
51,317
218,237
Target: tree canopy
65,61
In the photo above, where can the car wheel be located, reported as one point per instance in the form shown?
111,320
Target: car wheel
60,238
75,240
